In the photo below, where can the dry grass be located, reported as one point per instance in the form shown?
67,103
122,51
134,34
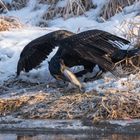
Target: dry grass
3,6
114,104
74,106
131,30
63,104
120,106
15,4
8,23
77,7
18,4
115,6
48,1
9,106
133,34
72,8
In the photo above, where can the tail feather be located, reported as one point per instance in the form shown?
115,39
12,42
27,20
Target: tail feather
122,54
119,55
134,52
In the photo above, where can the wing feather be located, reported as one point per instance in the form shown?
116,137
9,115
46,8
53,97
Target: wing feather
39,49
95,46
97,38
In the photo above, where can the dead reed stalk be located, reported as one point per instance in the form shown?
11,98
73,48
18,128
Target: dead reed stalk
115,6
7,23
18,4
132,31
3,5
72,8
48,1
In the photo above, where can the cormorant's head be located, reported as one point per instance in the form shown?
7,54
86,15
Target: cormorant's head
55,69
60,72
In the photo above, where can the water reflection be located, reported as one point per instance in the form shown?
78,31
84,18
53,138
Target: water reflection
8,137
69,137
121,137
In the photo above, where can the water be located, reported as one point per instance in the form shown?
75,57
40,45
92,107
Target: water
18,129
92,136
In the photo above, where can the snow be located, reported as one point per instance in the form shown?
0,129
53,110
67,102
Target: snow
45,124
7,1
124,122
11,46
30,14
61,3
12,42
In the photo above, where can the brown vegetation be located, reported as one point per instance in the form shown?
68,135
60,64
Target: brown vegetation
131,30
18,4
70,104
15,4
74,106
48,1
112,104
115,6
72,8
7,23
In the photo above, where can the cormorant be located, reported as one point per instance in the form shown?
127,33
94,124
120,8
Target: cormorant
86,48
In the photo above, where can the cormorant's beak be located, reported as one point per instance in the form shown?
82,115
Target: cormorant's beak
70,76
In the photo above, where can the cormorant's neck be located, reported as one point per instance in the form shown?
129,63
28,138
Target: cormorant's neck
54,65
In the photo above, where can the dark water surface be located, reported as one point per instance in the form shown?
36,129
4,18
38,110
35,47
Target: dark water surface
69,130
69,137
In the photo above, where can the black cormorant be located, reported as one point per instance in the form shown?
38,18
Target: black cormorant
86,48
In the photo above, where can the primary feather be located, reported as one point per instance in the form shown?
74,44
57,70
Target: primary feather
39,49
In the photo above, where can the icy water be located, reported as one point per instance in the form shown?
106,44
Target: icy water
20,129
69,137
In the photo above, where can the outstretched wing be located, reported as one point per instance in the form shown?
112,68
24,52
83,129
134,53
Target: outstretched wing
96,46
39,49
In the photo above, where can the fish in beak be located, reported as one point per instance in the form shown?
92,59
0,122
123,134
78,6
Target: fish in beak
70,76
